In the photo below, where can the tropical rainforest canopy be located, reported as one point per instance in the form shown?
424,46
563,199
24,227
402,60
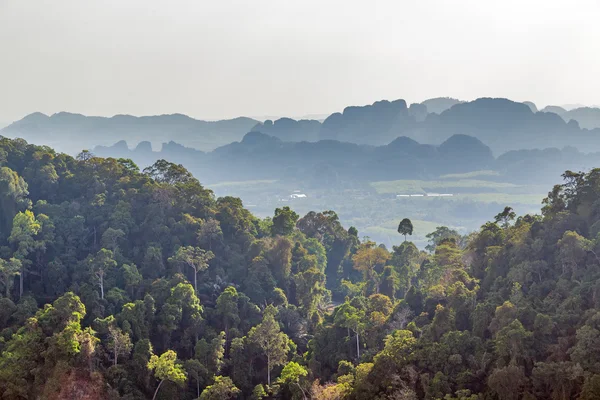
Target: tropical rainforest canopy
125,284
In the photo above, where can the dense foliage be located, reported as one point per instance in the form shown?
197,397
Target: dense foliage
123,284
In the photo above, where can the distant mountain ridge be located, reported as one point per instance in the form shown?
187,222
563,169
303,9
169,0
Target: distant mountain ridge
501,124
330,162
260,156
440,104
73,132
587,117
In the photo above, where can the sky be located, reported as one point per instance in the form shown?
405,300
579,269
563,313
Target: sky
215,59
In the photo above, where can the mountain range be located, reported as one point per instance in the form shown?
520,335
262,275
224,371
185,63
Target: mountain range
72,133
587,117
329,162
501,124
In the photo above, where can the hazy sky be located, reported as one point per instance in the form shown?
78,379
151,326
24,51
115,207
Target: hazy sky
224,58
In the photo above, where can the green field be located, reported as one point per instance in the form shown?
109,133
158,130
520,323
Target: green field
419,186
241,184
505,198
375,211
471,175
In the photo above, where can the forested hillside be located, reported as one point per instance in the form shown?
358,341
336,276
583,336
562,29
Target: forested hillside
125,284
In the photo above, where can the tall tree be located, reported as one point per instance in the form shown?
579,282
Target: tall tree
284,221
440,233
405,227
227,309
367,258
505,217
195,258
211,354
222,389
25,228
352,318
163,171
269,338
101,263
196,371
13,197
166,368
210,232
8,270
291,375
119,343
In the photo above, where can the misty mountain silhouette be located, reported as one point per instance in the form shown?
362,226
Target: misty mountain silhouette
440,104
501,124
587,117
260,156
73,132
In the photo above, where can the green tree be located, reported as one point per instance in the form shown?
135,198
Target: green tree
25,227
132,277
591,388
367,258
211,355
111,238
443,322
507,383
222,389
241,363
227,309
13,198
270,340
101,263
196,371
180,317
119,343
557,381
166,368
163,171
586,350
291,375
572,251
406,260
284,221
8,270
405,227
513,344
505,217
258,393
441,233
195,258
348,316
210,232
390,282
